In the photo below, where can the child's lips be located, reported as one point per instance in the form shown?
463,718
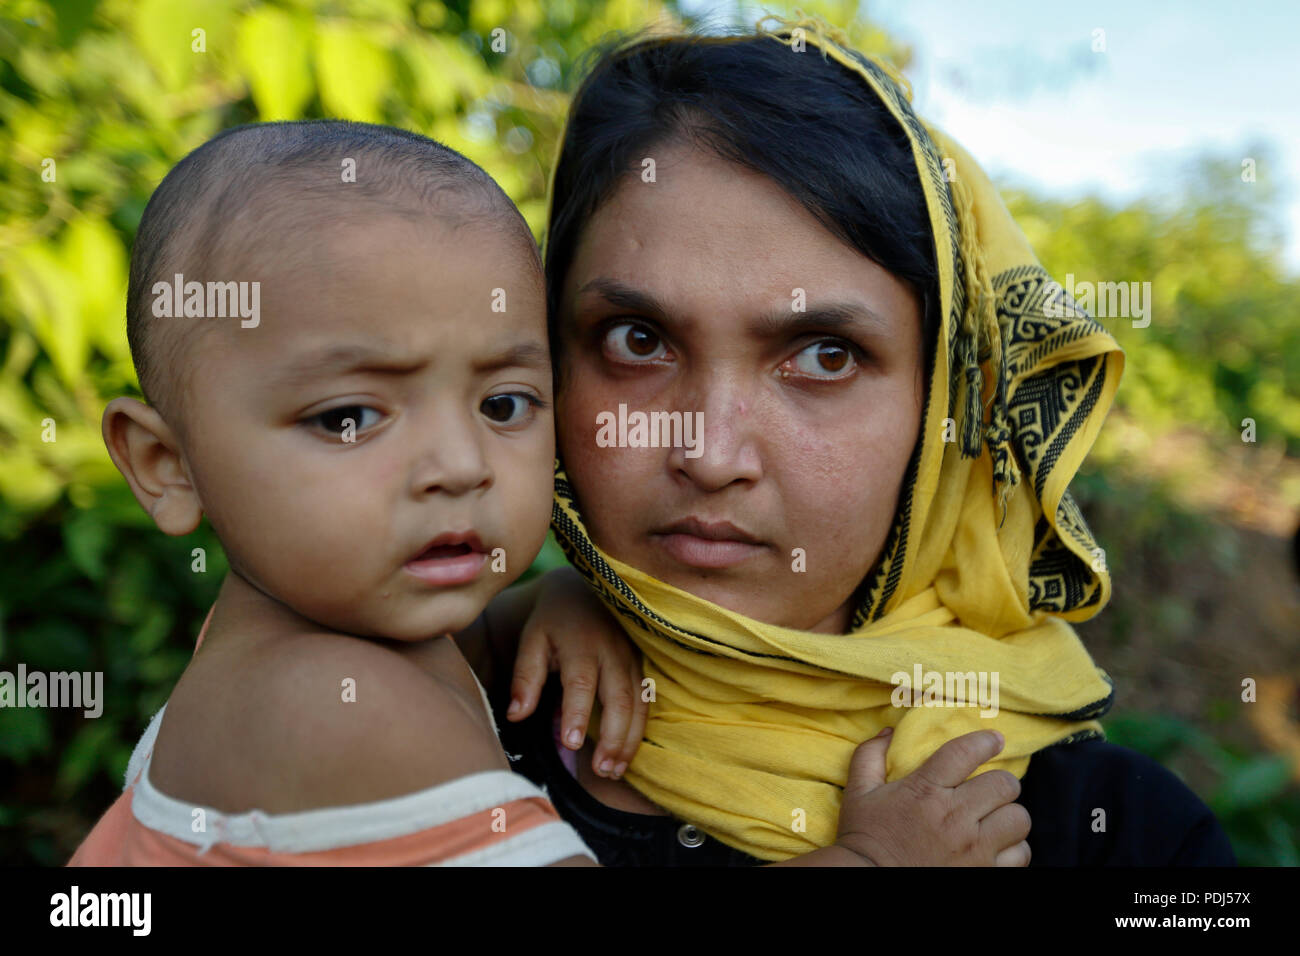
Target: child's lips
452,558
447,569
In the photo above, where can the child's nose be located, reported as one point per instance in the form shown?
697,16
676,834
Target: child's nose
451,461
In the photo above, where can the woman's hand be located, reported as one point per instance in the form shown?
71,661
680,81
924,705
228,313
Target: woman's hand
935,816
570,630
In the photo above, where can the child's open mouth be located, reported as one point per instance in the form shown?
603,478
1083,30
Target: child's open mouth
446,551
449,559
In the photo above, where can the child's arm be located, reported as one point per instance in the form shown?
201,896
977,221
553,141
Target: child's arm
554,623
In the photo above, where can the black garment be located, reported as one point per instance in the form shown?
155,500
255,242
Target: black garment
1151,817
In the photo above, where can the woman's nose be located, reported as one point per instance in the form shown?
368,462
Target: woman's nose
726,439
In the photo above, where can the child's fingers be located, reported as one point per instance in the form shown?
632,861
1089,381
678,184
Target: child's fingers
532,665
615,717
1008,826
1018,855
578,675
951,764
635,727
988,792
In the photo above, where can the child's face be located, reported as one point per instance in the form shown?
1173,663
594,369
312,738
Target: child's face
393,326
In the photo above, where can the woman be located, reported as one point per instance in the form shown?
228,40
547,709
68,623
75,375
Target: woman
761,230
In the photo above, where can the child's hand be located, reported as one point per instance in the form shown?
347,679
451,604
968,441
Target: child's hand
570,630
935,816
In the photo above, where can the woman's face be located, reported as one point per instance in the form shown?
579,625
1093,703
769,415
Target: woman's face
712,291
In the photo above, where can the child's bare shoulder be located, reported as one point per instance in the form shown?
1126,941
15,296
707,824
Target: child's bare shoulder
320,720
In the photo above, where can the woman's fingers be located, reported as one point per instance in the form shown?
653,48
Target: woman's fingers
532,665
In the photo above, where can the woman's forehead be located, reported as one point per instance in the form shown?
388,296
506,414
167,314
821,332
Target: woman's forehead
707,235
692,195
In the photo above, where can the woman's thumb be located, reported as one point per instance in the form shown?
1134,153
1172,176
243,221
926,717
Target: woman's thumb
867,769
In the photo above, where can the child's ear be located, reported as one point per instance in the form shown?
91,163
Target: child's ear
148,455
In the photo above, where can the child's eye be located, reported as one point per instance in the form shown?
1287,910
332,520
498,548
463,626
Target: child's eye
633,342
335,420
510,408
827,360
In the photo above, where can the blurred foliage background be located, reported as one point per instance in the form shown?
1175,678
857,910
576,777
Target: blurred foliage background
99,98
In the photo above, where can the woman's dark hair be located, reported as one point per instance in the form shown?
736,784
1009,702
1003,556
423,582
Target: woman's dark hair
799,118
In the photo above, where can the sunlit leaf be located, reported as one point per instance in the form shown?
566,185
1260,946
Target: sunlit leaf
275,51
48,297
163,31
354,71
93,252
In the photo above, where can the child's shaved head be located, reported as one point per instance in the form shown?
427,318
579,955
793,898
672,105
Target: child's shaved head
243,197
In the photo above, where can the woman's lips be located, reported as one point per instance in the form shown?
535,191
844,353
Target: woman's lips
700,552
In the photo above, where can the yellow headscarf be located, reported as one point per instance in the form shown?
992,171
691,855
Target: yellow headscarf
752,725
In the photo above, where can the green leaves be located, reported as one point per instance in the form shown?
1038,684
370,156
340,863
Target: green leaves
24,733
176,38
88,538
90,750
1224,337
354,70
275,54
52,645
93,255
1156,735
45,291
1254,799
1251,782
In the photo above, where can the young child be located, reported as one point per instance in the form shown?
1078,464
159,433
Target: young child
340,332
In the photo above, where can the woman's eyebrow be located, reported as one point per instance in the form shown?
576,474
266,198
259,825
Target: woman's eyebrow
848,316
624,296
823,317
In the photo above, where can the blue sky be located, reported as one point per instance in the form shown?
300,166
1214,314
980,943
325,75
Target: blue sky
1018,84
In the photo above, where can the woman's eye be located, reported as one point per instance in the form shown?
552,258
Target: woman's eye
827,359
633,342
359,417
509,408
